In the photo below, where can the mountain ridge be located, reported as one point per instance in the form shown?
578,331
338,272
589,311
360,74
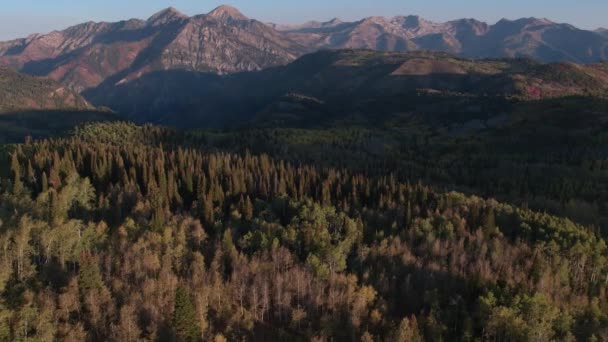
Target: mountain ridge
85,55
225,12
341,82
226,41
166,15
541,38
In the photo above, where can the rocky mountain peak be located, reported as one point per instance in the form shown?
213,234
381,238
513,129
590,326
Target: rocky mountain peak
522,22
308,26
225,41
374,21
167,15
225,12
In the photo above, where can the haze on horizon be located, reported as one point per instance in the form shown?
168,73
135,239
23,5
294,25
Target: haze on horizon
19,19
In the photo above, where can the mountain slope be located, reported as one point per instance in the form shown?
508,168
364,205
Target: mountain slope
530,37
226,41
541,39
40,107
20,92
330,84
85,55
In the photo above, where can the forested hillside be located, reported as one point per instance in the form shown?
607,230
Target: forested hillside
19,92
40,107
328,86
225,41
217,178
120,232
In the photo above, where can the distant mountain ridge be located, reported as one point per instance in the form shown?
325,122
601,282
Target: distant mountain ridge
225,41
541,39
83,56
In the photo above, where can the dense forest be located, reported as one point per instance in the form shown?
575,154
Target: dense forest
126,233
542,159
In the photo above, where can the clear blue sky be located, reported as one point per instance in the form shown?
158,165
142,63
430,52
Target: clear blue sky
21,17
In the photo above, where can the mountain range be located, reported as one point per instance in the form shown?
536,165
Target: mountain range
541,39
85,55
330,84
226,41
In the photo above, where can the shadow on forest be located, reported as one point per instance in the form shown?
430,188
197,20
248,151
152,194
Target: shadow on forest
16,126
202,100
313,91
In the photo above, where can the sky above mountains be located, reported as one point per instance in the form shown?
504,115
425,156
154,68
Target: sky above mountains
21,18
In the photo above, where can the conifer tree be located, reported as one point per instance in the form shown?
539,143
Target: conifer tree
489,220
31,175
45,182
408,331
16,173
185,323
248,209
89,275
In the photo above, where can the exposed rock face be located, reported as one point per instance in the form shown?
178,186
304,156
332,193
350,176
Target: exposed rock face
166,16
308,26
226,41
529,37
86,55
81,56
226,13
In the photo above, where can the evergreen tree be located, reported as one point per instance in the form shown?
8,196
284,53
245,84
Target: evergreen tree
31,176
16,173
89,275
185,322
489,221
45,182
248,209
408,331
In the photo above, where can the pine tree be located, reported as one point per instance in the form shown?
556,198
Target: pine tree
45,182
31,175
208,211
408,331
248,209
89,276
185,323
54,178
16,173
54,212
489,221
